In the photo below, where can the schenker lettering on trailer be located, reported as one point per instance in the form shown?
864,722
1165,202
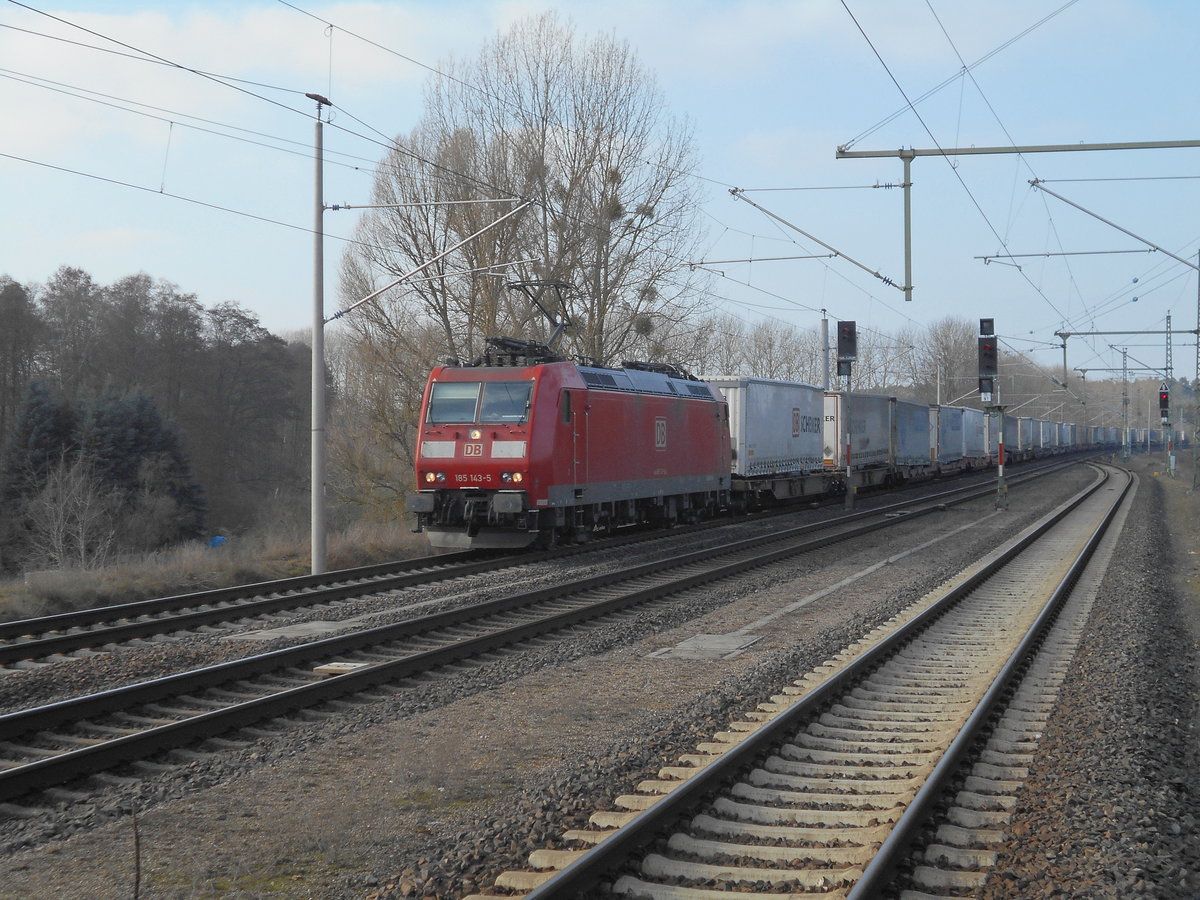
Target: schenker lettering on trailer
804,424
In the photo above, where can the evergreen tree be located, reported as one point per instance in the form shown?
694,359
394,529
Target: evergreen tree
82,482
45,435
43,440
131,451
21,334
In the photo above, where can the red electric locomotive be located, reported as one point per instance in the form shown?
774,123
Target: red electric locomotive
527,447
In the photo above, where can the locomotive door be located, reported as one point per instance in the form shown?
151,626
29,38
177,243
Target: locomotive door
571,418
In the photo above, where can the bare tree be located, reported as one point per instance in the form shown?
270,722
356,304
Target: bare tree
379,384
943,360
70,303
73,520
580,127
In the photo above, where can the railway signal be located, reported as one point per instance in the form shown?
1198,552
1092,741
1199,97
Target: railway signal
1164,401
847,342
988,364
987,361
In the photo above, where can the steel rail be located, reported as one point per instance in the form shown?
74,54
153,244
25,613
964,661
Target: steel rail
24,778
127,631
367,579
883,866
114,612
42,717
615,849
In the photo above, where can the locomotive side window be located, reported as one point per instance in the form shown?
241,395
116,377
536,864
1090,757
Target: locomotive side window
566,407
453,401
505,401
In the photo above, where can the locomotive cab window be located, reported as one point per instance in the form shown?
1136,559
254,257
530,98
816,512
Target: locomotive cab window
505,401
459,402
453,401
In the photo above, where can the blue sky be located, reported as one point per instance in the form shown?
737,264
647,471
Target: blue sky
771,89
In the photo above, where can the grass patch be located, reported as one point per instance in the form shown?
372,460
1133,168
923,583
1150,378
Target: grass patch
197,567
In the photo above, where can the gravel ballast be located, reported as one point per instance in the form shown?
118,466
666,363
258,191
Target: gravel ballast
1110,808
436,788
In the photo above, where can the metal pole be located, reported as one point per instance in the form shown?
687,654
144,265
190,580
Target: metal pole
1196,382
1125,401
1167,424
825,346
1064,339
908,285
850,488
317,476
1001,487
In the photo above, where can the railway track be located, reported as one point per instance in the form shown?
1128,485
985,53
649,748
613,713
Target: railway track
823,788
25,640
53,744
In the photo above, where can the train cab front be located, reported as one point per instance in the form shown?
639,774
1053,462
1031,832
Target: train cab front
472,463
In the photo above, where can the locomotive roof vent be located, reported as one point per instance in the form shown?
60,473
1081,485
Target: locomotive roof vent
660,368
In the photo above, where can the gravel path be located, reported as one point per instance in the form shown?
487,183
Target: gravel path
436,788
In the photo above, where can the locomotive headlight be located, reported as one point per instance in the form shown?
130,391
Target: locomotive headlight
431,477
475,434
518,477
506,476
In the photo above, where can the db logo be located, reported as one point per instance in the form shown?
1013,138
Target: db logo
660,434
472,449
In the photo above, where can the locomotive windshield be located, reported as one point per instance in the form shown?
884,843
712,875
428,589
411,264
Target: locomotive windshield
459,401
505,401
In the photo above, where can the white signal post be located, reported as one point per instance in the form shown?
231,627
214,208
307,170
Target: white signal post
850,489
1001,487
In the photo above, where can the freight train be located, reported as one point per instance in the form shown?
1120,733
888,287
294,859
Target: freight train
523,446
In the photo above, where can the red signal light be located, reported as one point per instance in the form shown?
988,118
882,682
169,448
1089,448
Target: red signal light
988,360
